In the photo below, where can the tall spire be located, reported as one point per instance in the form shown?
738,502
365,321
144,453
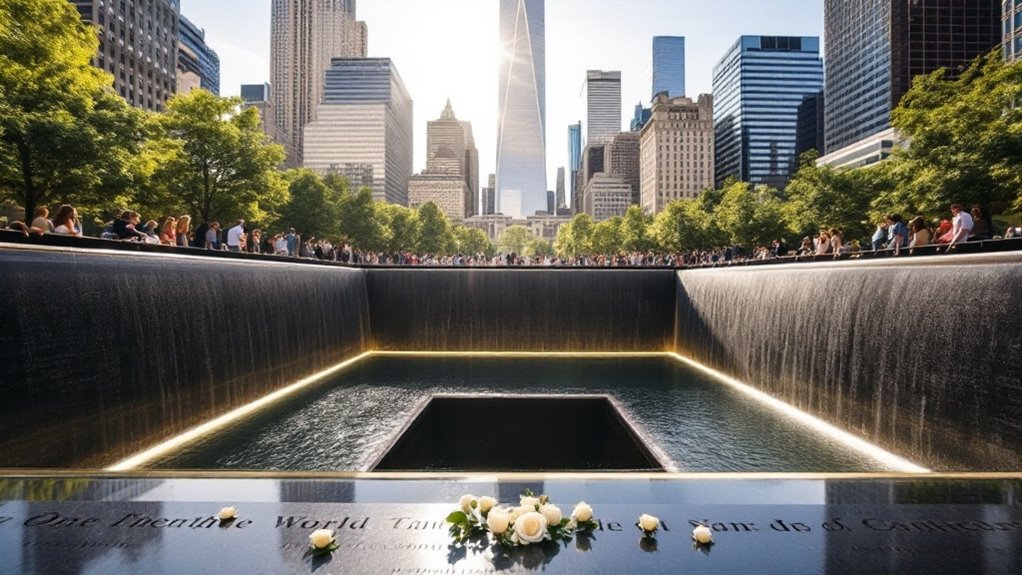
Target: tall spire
448,113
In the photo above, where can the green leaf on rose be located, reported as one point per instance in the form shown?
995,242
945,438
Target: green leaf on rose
457,517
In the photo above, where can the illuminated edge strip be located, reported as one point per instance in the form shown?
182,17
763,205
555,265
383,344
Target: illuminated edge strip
886,457
522,354
135,461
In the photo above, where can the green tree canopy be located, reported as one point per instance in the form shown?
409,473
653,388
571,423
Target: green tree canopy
64,136
514,240
219,164
575,238
401,227
825,197
750,216
606,238
314,209
472,241
635,230
360,222
435,234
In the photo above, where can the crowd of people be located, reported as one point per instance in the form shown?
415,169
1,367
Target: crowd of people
893,234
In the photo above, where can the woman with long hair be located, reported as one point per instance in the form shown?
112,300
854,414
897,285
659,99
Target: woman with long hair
184,226
64,223
168,235
918,233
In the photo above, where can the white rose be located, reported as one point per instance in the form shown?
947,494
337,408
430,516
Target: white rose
552,514
321,538
517,512
702,534
227,513
530,502
530,527
466,502
486,503
648,523
498,521
582,512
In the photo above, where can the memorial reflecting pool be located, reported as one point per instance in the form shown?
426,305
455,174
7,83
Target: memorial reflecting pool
345,424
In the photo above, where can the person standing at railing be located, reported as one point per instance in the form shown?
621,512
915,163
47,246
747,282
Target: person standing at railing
234,236
64,223
961,226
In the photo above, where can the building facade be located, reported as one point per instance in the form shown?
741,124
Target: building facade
1012,19
668,66
305,36
259,96
488,199
574,156
559,199
758,87
676,152
363,127
603,105
521,130
138,45
809,129
195,56
623,161
606,197
875,47
452,168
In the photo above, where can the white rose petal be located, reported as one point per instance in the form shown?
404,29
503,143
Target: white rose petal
321,538
466,503
519,511
227,513
702,534
648,523
552,514
498,521
582,512
530,502
486,503
530,527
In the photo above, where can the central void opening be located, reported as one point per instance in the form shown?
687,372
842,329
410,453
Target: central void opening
519,433
692,422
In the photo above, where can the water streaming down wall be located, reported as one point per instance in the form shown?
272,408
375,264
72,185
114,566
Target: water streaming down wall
103,354
921,356
538,309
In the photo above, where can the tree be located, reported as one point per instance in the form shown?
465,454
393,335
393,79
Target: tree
472,241
64,136
966,139
681,226
825,197
575,238
401,227
360,221
606,238
750,216
221,165
314,208
514,240
635,234
435,234
539,248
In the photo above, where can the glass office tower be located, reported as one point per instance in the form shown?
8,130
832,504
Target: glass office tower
875,48
521,131
757,89
669,66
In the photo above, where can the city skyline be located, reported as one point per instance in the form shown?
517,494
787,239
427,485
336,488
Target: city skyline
461,64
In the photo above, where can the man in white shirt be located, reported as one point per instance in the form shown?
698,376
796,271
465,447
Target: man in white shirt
961,226
234,236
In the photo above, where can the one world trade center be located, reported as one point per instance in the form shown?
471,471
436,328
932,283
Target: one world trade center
521,133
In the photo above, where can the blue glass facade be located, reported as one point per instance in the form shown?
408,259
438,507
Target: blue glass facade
574,152
1012,17
758,88
521,129
195,56
876,47
669,66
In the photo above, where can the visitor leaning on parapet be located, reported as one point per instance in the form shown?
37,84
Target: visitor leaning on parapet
235,235
961,226
213,236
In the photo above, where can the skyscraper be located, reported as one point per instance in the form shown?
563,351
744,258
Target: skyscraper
138,45
574,154
195,56
603,105
758,87
1012,29
446,180
875,47
521,131
305,36
559,191
363,128
669,66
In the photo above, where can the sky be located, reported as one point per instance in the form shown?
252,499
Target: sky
449,49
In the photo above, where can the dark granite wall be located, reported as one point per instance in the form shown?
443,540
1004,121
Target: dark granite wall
539,309
922,356
103,354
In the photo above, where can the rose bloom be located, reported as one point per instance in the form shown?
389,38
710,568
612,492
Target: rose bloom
702,534
530,527
466,503
517,512
582,512
498,521
648,523
486,503
227,513
530,502
321,538
552,514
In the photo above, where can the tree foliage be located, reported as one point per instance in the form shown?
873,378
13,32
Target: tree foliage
313,207
436,236
472,241
575,238
514,240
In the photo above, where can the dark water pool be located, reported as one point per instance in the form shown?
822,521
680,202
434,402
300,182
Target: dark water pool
345,424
